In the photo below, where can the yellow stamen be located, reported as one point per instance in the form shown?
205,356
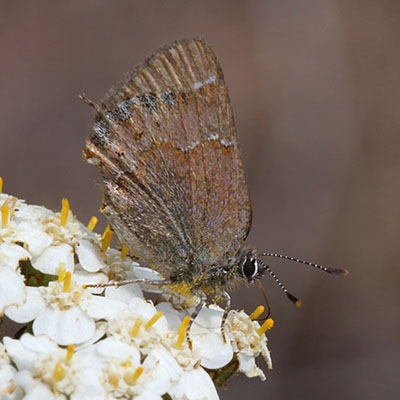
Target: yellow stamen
64,212
257,312
136,326
268,324
70,352
182,332
134,377
59,371
67,281
153,319
298,303
61,271
1,184
105,232
4,215
92,223
106,241
124,252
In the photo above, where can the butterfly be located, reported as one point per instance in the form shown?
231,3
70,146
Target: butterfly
165,143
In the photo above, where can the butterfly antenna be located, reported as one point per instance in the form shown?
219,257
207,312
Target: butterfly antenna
335,271
90,102
291,297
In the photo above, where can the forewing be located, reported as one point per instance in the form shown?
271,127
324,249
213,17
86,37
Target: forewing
165,143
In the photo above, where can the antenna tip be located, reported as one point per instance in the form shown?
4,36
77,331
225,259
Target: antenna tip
294,299
336,271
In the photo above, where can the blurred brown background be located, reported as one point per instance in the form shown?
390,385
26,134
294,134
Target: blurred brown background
315,91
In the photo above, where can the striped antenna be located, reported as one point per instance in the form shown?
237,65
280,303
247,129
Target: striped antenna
291,297
335,271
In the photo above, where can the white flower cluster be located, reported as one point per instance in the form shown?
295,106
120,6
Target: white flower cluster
91,343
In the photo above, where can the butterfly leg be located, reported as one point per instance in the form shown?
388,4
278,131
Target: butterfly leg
154,282
226,309
195,313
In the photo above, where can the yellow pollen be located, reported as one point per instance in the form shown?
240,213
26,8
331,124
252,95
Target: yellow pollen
134,377
4,215
257,312
136,326
70,352
59,371
1,184
113,380
153,319
298,303
127,364
105,232
182,332
124,252
106,241
92,223
268,324
61,271
64,212
67,281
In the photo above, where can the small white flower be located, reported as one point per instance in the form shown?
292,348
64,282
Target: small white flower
69,316
44,367
247,343
127,347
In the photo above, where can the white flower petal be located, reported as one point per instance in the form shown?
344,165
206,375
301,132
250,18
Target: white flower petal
89,256
41,391
101,329
124,293
161,371
39,344
27,311
11,254
82,277
111,348
34,239
100,307
12,288
247,365
208,320
90,392
48,262
194,385
65,327
148,396
32,213
22,357
214,352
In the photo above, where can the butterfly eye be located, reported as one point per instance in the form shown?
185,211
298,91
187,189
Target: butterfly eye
250,268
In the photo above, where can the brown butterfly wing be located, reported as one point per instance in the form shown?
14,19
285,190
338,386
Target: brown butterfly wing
165,143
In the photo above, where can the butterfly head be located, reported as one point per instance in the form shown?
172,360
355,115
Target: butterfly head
250,267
